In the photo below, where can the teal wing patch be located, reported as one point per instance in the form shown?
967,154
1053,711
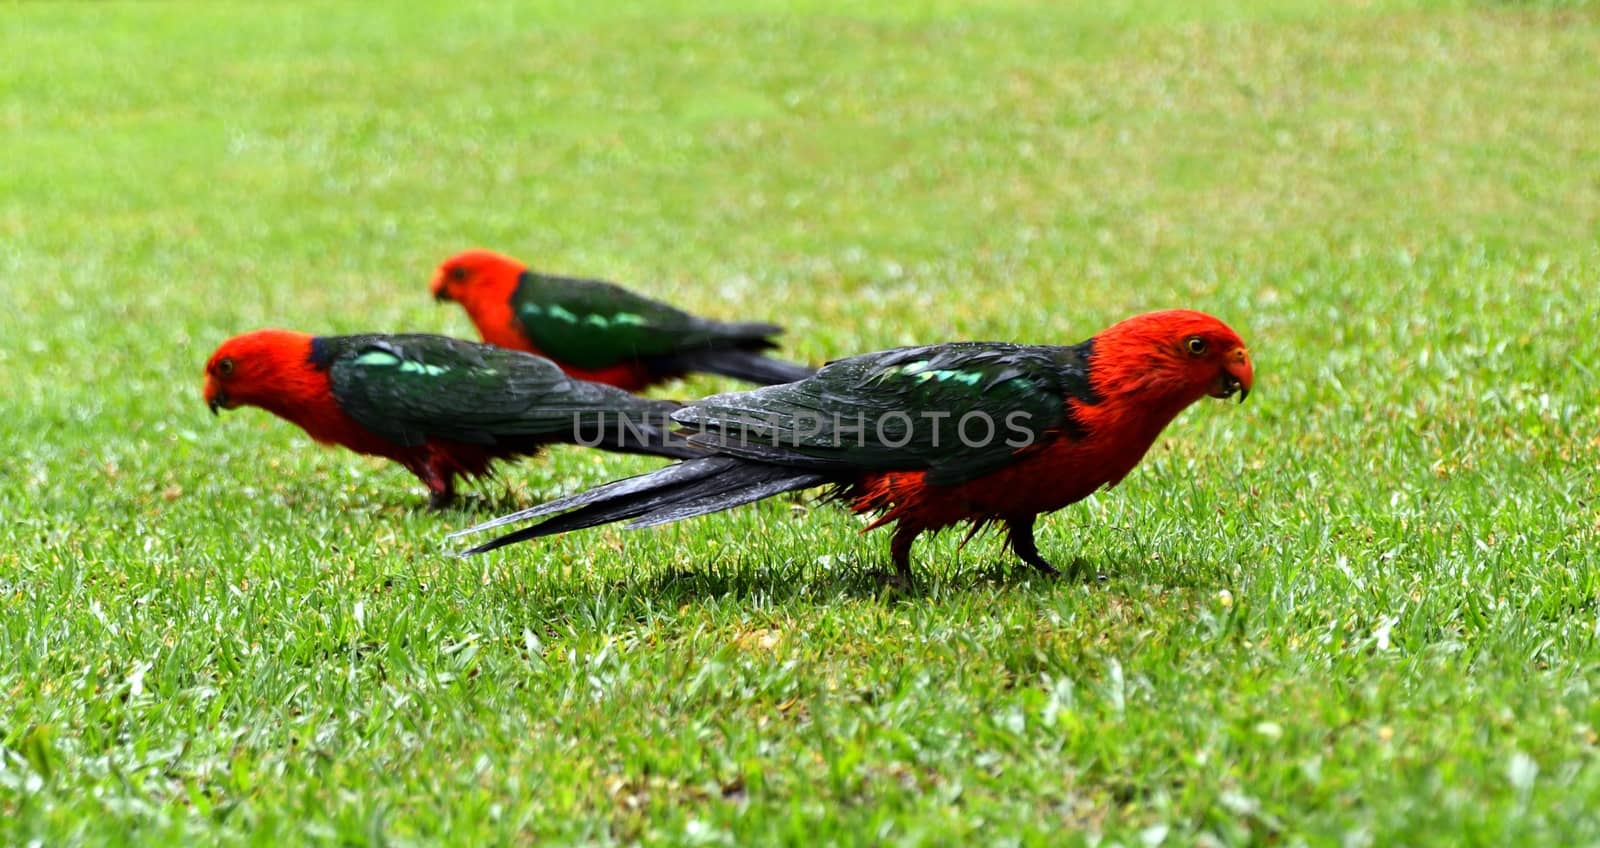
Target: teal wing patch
409,388
593,324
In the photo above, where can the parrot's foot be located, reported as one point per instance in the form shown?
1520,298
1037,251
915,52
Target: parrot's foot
1043,567
441,500
1023,545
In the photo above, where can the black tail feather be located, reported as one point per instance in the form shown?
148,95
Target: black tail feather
747,365
616,489
723,498
752,334
695,487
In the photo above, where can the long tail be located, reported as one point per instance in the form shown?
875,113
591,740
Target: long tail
695,487
747,365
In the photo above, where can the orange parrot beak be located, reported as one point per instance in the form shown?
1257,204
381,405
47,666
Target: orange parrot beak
439,292
1236,376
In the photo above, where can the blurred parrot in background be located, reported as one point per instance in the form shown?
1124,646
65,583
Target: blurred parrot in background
601,332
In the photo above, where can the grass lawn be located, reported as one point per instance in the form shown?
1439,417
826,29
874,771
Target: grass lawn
1361,609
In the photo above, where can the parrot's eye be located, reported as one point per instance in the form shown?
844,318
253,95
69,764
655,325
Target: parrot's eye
225,367
1195,345
456,273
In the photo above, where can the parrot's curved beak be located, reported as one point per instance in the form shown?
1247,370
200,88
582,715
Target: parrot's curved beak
440,293
216,397
1237,376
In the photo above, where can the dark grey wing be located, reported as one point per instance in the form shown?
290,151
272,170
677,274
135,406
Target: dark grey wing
408,388
593,324
957,411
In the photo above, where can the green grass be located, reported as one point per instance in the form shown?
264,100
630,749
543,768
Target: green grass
1361,609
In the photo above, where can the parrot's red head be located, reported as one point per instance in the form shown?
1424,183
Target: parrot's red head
271,369
475,274
1176,356
483,282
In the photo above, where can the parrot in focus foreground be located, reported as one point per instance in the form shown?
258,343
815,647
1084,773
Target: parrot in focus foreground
601,332
439,406
929,437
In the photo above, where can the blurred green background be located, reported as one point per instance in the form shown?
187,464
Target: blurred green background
1361,609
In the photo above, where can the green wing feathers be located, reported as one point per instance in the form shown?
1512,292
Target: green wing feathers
956,410
592,324
409,388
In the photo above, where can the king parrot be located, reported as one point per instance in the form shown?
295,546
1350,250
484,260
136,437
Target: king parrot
602,332
441,407
929,437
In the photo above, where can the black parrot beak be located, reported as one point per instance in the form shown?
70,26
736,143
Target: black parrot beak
1232,384
217,401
